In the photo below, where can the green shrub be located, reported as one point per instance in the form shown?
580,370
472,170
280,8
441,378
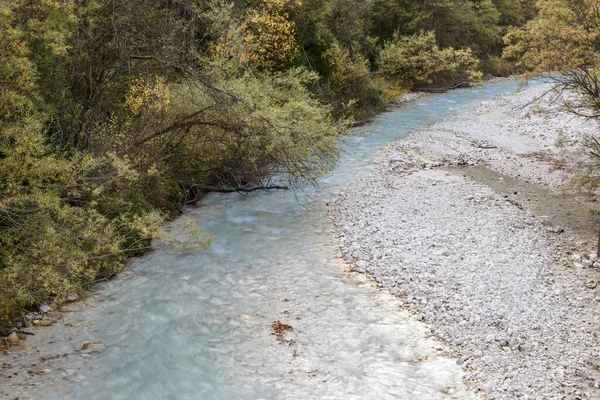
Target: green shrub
497,66
417,61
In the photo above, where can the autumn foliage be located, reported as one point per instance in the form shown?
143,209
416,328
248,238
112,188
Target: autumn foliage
562,44
268,35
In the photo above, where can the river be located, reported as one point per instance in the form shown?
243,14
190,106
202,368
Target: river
198,326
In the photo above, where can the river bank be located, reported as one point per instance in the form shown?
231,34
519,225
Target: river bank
465,222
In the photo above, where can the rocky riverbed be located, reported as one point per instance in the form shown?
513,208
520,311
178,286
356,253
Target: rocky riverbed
466,222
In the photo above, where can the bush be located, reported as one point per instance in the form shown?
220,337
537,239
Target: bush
349,86
417,61
497,66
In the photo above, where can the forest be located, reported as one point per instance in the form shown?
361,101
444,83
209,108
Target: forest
116,115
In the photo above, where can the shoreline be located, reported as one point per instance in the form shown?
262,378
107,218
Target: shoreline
465,223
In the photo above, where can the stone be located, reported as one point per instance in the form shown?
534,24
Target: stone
556,229
39,370
66,309
44,322
443,253
13,339
45,308
72,297
500,265
31,316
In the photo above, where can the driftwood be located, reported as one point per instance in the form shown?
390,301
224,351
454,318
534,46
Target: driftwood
458,85
193,193
245,189
356,124
6,330
432,90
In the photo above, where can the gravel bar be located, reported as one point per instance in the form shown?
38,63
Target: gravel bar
504,290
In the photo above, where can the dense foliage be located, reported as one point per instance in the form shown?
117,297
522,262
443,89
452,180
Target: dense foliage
115,114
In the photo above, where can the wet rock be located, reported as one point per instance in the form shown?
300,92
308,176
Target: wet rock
66,309
93,346
44,322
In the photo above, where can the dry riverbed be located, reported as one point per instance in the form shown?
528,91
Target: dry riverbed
467,222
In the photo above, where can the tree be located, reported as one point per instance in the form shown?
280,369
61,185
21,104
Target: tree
268,36
563,37
515,13
563,43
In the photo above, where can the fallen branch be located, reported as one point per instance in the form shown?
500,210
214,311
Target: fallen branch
444,89
356,124
216,189
193,193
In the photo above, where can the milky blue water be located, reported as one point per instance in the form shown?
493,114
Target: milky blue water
198,326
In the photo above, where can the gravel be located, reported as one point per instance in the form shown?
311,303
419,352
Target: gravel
535,141
489,278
